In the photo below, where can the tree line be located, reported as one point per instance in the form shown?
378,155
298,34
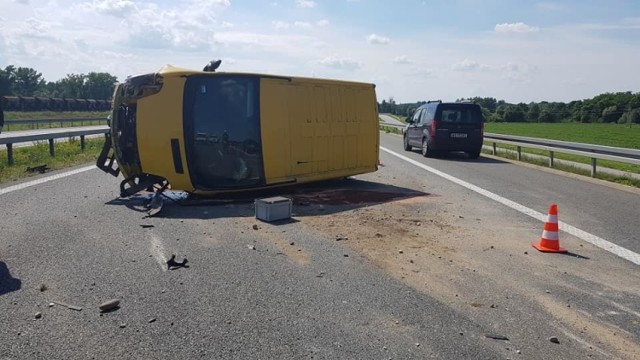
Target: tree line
24,81
620,107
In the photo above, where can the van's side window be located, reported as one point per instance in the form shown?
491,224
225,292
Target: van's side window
431,111
416,116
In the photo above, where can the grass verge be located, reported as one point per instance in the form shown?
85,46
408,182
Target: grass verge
68,154
510,154
391,129
17,116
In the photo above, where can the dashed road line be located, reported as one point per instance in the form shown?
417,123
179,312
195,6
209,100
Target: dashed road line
590,238
157,251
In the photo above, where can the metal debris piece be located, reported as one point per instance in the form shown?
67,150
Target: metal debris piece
173,264
251,247
554,340
155,205
38,315
340,238
497,337
146,226
72,307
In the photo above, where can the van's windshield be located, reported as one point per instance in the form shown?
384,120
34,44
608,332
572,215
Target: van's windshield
459,114
222,131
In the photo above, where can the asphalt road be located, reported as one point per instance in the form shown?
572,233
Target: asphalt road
292,291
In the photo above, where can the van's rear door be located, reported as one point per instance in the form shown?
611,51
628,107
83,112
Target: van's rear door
459,126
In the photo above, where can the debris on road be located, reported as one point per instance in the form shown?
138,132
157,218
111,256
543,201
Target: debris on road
152,320
109,305
72,307
251,247
497,337
255,227
172,264
43,287
123,325
38,169
554,340
146,226
340,238
38,315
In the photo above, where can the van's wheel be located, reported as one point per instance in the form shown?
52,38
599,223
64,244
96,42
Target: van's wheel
426,152
407,147
473,154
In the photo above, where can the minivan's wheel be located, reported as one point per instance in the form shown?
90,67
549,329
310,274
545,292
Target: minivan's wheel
407,147
425,148
473,154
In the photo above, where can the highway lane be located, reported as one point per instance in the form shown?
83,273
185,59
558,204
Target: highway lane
606,210
429,275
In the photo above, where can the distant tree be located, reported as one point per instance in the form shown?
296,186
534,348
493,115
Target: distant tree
99,85
6,80
630,117
611,114
26,81
513,113
533,114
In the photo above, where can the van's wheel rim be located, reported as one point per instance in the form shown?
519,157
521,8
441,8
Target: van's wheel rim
425,147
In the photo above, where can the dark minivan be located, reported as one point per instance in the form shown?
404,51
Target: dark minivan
439,127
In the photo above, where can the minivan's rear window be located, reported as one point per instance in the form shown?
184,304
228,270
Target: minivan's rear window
460,114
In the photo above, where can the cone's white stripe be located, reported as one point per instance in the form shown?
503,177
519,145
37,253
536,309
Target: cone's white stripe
550,235
590,238
552,219
45,179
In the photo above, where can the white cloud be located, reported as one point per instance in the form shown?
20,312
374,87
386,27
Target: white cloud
377,39
402,59
466,65
340,63
111,7
518,27
306,3
278,25
323,22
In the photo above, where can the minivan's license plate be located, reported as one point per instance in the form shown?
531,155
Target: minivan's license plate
458,135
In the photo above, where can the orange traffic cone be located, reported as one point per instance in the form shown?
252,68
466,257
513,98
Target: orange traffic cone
550,241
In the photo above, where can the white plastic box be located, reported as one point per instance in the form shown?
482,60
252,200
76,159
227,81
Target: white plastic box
273,208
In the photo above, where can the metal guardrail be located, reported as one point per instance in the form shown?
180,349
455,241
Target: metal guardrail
9,139
37,122
623,155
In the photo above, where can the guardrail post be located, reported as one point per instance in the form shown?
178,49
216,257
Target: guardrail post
550,159
10,154
494,148
82,142
52,149
593,167
519,150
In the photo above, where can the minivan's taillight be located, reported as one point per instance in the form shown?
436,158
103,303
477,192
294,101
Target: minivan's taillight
434,124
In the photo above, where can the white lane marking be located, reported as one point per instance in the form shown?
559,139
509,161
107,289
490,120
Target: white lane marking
157,251
590,238
45,179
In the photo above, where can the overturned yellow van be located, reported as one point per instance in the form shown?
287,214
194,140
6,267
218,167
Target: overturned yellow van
208,132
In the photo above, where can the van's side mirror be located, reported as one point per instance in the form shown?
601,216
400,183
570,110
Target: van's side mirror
409,121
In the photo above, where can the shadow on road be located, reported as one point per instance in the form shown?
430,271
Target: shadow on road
309,199
7,282
463,157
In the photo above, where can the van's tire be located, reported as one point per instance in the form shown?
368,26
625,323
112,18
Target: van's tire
473,154
407,147
426,152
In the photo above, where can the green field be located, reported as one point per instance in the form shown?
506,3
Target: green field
599,134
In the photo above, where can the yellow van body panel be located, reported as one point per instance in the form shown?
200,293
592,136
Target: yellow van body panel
159,119
317,129
310,129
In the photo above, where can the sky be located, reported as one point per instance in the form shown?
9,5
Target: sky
413,50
